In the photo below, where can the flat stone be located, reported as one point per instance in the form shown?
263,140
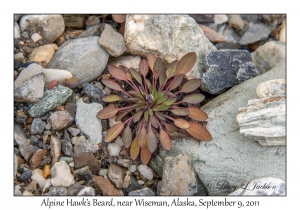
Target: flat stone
128,61
264,120
74,131
89,55
106,187
229,157
116,174
60,119
19,134
43,54
212,35
146,171
37,157
26,150
74,189
29,85
83,173
255,33
143,192
87,121
274,187
95,93
55,149
178,170
264,60
87,191
51,99
169,37
84,145
219,19
74,21
276,87
236,22
86,159
50,26
56,74
112,41
221,69
61,175
37,175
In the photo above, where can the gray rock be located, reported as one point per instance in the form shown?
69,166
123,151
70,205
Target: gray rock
17,31
229,157
37,126
66,159
221,69
51,99
29,85
145,171
87,121
178,170
26,150
34,140
94,92
134,185
87,191
83,173
112,41
255,33
86,64
264,60
75,21
55,149
91,31
276,87
236,21
143,192
103,172
85,146
19,134
246,71
66,146
264,186
74,131
202,18
61,175
124,162
25,175
264,120
17,17
253,18
50,26
169,37
128,61
74,189
116,174
57,191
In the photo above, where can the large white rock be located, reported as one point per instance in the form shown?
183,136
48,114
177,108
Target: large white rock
61,175
87,121
50,26
167,36
56,74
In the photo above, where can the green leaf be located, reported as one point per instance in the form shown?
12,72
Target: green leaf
162,99
154,121
190,86
111,98
146,115
198,131
134,99
137,116
121,115
186,63
144,68
151,141
117,72
197,114
107,112
149,85
134,149
165,140
150,112
141,136
127,137
160,107
180,111
193,99
111,84
151,59
136,75
171,70
113,132
170,101
145,153
176,81
160,115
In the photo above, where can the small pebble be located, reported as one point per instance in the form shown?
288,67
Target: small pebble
113,149
19,56
25,176
36,37
141,182
46,171
132,168
103,172
146,171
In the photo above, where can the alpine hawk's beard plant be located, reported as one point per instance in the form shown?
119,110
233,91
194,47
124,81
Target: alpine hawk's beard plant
154,100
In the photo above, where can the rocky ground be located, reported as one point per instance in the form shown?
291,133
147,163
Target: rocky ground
58,140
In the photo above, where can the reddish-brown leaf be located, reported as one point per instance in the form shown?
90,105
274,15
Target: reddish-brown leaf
171,70
180,111
111,98
134,149
190,86
111,84
158,67
120,115
52,84
113,132
181,123
151,59
107,112
193,98
198,131
127,136
153,121
144,68
145,153
151,141
117,72
141,136
176,81
186,63
171,129
165,139
197,114
128,76
118,18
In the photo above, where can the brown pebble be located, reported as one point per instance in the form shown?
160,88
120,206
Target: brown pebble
29,120
37,157
60,108
253,47
20,113
211,34
124,151
21,161
46,171
15,74
86,159
105,186
27,127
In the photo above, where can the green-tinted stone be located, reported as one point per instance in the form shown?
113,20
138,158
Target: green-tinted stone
51,99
